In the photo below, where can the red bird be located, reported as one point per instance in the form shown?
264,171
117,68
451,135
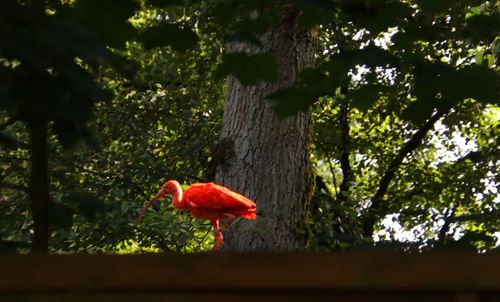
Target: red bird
207,201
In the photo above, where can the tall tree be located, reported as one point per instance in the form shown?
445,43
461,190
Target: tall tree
45,85
269,160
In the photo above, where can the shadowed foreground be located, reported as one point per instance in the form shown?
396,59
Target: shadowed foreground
457,276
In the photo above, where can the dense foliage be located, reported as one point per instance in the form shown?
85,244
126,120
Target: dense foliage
404,97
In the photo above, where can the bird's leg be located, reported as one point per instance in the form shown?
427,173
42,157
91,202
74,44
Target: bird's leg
218,239
227,224
218,242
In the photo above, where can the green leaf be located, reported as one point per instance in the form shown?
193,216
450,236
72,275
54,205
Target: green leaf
124,207
419,110
375,15
66,38
312,84
364,97
173,35
225,13
290,101
425,32
249,69
60,215
314,12
431,80
401,40
370,56
313,4
68,133
248,29
8,142
483,26
434,5
164,3
312,17
478,82
260,24
495,46
472,238
109,19
87,204
317,80
7,246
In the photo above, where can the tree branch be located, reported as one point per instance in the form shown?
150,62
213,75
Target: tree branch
7,123
480,155
15,158
377,209
333,177
492,215
448,218
39,185
137,188
12,186
11,143
345,164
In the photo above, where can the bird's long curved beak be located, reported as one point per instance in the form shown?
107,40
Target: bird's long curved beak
147,205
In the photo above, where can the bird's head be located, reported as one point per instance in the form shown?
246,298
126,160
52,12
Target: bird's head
171,187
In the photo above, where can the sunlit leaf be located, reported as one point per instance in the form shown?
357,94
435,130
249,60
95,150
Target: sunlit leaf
370,56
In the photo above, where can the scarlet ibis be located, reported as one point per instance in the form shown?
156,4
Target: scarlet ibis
207,201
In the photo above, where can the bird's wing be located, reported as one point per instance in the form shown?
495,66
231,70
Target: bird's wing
212,196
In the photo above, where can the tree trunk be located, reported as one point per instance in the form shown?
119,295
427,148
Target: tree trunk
39,185
269,162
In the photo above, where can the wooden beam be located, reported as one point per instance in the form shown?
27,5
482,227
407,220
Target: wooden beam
447,270
353,276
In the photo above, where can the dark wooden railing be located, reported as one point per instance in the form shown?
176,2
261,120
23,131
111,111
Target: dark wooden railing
458,276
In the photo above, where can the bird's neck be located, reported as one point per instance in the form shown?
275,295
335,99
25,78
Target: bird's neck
177,200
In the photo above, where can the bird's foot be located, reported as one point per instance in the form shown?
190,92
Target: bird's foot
218,241
227,224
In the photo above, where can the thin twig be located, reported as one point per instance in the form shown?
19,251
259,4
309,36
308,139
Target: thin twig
448,217
14,186
377,208
7,123
333,178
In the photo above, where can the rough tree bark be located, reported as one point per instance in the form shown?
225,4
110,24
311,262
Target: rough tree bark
39,185
270,158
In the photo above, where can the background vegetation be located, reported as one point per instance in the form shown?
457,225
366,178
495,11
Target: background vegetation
404,96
